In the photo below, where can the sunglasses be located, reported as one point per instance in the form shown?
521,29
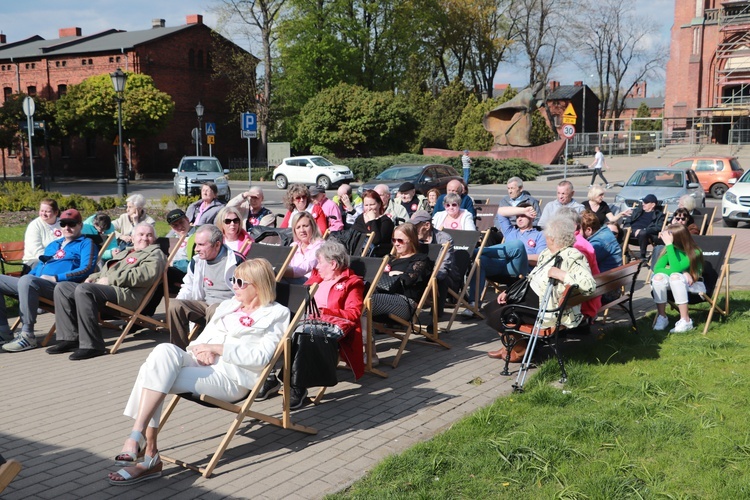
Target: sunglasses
400,241
451,204
68,223
298,198
231,221
241,284
680,218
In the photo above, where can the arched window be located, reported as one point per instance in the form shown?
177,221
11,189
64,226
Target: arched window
200,58
191,58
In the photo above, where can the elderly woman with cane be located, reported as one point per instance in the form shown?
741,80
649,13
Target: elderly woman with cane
560,262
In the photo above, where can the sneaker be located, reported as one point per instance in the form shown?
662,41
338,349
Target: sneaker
468,313
609,186
682,326
661,323
20,343
297,398
270,388
375,359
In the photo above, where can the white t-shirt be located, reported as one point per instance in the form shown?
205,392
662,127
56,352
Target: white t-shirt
599,159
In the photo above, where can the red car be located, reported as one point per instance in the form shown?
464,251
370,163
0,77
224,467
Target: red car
715,173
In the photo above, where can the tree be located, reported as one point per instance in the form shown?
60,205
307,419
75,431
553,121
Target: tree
238,67
89,109
444,112
644,111
349,120
11,114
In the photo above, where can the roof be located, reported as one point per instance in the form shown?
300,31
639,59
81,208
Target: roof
564,92
651,102
106,41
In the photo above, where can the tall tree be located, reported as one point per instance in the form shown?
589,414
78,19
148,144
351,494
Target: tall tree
540,28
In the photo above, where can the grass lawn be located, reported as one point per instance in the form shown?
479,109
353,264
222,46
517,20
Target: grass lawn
652,415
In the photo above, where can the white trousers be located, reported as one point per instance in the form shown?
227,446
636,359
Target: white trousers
661,283
171,370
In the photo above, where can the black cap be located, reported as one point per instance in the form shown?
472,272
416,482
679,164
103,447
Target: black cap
406,186
650,198
175,215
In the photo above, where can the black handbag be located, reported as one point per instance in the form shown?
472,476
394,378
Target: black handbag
389,284
315,351
517,291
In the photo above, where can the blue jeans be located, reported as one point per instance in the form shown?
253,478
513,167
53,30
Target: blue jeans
507,259
466,175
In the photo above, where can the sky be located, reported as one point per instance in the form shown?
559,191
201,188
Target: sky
23,19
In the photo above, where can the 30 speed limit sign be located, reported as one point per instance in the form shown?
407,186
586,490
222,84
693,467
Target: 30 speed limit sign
568,131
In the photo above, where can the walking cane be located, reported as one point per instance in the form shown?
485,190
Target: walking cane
526,361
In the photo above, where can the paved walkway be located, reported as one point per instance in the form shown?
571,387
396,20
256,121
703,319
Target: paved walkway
63,419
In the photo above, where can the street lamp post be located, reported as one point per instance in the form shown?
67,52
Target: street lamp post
119,78
199,146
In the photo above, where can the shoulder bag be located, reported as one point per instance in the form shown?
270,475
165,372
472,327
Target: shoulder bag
315,350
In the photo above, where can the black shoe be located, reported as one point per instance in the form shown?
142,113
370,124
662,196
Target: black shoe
298,398
63,346
85,354
270,388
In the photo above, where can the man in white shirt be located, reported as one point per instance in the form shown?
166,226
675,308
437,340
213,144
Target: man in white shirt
565,193
598,165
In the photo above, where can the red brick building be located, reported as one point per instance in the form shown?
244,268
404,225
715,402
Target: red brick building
177,58
708,73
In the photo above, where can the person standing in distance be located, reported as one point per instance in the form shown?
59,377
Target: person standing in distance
598,165
466,164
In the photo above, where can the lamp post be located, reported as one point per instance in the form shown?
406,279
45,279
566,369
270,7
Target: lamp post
199,145
119,78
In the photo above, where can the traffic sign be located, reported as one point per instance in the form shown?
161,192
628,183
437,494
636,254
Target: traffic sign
568,131
249,134
249,122
569,111
196,133
211,139
29,106
210,128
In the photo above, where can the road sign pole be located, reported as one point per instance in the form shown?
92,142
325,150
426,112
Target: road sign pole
30,121
210,150
249,163
565,171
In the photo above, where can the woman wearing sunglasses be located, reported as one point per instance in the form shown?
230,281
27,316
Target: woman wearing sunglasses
225,362
229,221
298,199
307,240
679,270
682,216
373,220
412,271
453,217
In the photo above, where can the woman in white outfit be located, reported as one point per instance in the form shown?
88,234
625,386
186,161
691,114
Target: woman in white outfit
453,217
224,362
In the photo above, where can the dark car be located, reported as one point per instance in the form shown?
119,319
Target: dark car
424,177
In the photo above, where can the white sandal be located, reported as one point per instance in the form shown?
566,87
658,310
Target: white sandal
134,457
151,468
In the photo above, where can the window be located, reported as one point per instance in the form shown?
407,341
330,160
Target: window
111,59
91,61
704,166
83,62
200,58
117,59
191,58
31,90
27,65
64,63
33,65
62,89
57,64
7,92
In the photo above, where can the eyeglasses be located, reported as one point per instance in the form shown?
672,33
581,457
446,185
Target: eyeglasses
400,241
298,198
68,223
241,284
679,218
451,204
231,221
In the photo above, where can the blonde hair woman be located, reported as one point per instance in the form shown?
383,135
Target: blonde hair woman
307,239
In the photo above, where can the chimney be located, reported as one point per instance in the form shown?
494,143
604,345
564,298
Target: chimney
2,38
63,32
553,85
158,23
194,19
578,84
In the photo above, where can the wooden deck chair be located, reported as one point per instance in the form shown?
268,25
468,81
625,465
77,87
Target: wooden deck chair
245,247
404,329
134,316
485,218
11,254
464,245
717,251
708,227
295,297
278,256
9,469
481,201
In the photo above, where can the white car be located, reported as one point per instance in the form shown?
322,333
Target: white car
735,204
310,170
193,171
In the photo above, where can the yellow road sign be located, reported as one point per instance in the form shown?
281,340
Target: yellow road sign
211,139
569,120
569,111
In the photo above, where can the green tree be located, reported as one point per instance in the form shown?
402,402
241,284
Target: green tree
444,113
349,120
645,112
90,108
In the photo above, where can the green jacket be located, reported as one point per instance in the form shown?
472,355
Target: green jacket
131,273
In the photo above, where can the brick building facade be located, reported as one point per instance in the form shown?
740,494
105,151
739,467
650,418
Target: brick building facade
177,58
708,73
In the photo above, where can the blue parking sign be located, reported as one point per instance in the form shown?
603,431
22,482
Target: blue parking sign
249,122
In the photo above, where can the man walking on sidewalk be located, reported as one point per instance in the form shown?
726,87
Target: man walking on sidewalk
598,165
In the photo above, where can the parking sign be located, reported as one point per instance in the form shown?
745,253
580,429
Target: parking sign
249,121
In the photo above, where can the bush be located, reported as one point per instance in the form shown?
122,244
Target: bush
18,196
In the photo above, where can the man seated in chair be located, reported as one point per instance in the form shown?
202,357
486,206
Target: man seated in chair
71,258
646,223
516,196
457,187
448,276
565,194
125,280
205,286
251,207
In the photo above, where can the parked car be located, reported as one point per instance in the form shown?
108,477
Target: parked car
196,170
667,184
424,177
715,173
311,170
735,205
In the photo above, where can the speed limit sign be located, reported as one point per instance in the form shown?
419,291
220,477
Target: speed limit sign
568,131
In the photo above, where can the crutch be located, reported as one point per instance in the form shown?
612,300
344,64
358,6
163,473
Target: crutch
526,361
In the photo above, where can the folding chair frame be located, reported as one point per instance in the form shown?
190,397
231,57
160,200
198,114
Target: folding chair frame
473,274
282,268
243,410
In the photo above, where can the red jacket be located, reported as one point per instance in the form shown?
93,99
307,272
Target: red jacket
320,218
345,300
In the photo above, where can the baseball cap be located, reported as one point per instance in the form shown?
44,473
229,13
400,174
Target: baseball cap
71,214
420,216
316,190
650,198
175,215
406,186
